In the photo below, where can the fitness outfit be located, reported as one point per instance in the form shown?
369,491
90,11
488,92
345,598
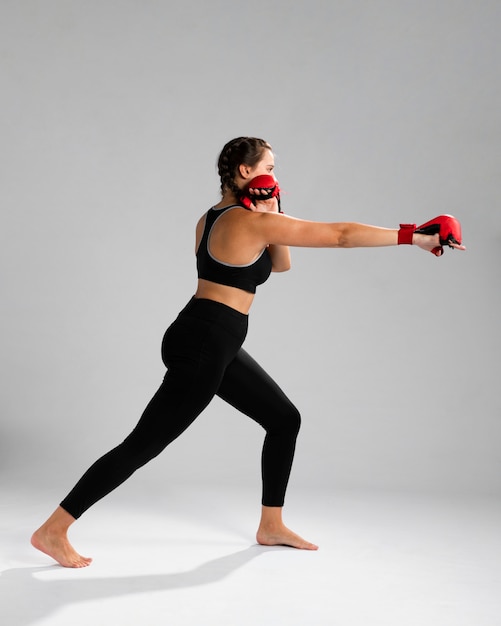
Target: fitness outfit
245,277
203,355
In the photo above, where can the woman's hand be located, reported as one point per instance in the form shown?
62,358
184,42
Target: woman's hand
430,242
263,206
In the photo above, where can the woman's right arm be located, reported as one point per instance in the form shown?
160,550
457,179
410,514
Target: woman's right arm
269,228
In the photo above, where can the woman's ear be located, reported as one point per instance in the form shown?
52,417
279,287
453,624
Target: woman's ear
244,171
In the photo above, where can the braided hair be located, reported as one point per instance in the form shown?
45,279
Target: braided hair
242,150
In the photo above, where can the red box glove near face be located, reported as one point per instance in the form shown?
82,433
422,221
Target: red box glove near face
268,187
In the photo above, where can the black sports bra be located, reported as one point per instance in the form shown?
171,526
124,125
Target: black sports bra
245,277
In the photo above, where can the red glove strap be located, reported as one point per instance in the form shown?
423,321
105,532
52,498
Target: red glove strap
405,233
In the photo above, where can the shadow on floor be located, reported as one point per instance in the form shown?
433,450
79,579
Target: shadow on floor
24,598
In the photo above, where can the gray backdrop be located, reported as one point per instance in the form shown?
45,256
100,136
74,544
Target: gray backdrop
380,111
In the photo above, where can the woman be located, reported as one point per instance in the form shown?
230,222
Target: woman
237,247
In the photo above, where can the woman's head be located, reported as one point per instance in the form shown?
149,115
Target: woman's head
239,156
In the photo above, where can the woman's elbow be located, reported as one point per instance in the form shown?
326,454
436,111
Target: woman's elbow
282,267
343,236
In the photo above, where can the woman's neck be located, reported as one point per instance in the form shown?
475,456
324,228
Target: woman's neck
227,198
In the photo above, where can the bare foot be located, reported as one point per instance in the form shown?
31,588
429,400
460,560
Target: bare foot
282,536
57,546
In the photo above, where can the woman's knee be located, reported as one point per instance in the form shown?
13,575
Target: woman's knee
295,419
286,422
139,451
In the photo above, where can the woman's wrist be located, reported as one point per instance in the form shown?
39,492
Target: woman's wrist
406,234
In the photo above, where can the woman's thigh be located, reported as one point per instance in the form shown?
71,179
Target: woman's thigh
250,389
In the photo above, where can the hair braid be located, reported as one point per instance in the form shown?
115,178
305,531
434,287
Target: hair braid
242,150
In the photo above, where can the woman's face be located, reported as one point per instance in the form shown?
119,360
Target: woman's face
265,166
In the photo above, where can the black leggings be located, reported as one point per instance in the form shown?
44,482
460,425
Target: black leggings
203,355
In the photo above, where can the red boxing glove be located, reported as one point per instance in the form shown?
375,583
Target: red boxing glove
448,229
446,226
268,187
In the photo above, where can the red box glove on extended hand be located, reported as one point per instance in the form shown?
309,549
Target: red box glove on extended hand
446,226
268,187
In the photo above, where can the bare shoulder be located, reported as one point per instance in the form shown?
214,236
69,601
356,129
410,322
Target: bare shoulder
201,223
249,225
280,229
255,229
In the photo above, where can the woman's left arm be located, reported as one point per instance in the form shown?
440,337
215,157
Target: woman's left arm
280,255
280,258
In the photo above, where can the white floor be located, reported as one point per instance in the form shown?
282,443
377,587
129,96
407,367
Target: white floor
189,558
